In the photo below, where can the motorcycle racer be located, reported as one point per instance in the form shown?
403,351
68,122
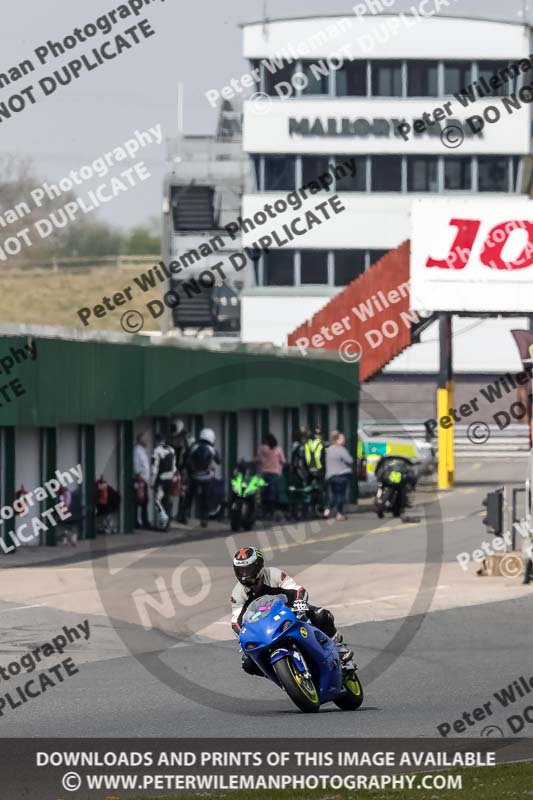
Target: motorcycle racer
256,580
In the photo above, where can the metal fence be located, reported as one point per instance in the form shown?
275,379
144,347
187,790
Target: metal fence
55,264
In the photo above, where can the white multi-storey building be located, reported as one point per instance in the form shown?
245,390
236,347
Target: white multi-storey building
338,87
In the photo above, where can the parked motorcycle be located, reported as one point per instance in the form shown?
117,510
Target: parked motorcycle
243,503
296,656
306,501
395,484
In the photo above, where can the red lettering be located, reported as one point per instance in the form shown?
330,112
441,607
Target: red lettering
491,255
461,248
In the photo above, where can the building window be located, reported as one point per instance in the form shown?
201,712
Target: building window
457,76
387,78
280,173
458,174
313,266
422,79
374,256
349,264
493,173
278,268
515,166
256,65
274,76
351,79
313,167
386,173
495,70
422,174
257,171
349,182
318,83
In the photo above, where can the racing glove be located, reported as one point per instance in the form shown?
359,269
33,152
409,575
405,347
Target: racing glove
300,607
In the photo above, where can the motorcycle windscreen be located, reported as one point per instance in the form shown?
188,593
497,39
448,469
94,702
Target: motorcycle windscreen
262,606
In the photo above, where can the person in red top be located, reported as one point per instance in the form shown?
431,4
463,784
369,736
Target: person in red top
270,462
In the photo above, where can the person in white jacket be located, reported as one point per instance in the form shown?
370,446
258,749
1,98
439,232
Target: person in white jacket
162,474
141,469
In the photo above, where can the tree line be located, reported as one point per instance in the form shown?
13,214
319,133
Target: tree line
86,237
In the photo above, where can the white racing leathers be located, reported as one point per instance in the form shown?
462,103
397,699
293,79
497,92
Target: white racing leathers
163,464
274,581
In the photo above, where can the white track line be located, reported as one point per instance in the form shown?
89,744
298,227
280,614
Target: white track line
21,608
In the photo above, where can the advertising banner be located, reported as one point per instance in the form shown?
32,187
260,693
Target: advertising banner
472,255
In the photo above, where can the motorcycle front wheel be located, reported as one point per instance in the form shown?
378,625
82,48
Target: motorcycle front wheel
301,690
235,518
353,697
248,515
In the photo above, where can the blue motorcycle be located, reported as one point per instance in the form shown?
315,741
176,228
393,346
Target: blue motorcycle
297,656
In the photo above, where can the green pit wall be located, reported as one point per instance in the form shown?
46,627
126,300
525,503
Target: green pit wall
83,382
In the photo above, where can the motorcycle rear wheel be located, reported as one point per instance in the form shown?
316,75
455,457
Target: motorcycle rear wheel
302,691
398,509
353,697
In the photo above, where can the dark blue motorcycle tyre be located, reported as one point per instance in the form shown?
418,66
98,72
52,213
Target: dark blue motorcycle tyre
302,691
354,696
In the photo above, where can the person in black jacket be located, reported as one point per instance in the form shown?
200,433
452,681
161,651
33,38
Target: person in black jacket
201,459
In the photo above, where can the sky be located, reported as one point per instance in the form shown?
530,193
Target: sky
196,44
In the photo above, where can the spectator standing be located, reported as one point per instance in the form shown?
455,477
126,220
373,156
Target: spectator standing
298,465
270,460
339,465
181,442
314,455
141,471
162,474
68,527
201,461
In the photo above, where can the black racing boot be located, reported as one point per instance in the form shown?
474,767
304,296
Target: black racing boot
345,653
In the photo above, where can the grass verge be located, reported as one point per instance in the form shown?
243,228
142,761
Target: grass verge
53,298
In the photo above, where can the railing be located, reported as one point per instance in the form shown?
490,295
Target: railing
55,264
